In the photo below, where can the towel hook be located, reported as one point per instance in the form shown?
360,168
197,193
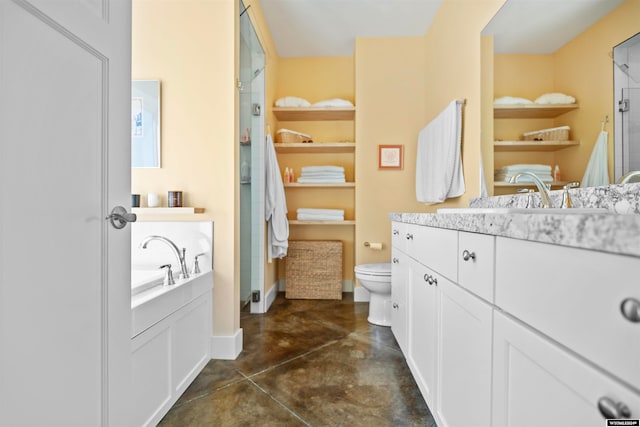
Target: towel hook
604,122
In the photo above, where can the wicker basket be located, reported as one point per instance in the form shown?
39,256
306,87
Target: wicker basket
554,134
286,135
313,270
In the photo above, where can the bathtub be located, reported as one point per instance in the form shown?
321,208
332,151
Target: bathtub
171,328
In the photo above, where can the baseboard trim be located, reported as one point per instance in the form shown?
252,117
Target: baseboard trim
270,297
226,347
360,294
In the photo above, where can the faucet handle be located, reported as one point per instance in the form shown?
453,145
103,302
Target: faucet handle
566,198
168,277
196,268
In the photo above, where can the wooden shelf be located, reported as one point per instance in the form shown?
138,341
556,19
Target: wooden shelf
167,211
315,147
336,185
533,145
527,184
531,111
346,222
290,114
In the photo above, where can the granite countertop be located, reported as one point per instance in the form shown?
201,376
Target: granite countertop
606,232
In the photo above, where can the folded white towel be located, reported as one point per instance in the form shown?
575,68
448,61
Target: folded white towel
320,180
555,98
335,102
292,101
511,100
438,164
315,211
524,167
306,169
321,173
523,178
311,217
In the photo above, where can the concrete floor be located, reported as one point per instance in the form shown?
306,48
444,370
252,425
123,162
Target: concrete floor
306,363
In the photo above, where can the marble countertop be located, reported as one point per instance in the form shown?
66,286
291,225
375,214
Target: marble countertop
608,232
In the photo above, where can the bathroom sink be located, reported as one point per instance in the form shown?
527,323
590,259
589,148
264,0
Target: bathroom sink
547,211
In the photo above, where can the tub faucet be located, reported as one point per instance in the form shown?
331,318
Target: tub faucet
542,187
180,256
628,177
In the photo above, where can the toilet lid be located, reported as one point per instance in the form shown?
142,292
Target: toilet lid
375,269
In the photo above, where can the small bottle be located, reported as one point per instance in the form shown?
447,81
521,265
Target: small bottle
291,175
287,174
556,174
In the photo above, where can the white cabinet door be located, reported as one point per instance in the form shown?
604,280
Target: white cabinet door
400,276
464,358
423,304
536,383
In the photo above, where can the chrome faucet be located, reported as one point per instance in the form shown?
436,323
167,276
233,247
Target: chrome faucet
181,257
542,187
626,179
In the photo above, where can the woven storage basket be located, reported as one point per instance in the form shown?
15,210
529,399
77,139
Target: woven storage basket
285,135
553,134
313,270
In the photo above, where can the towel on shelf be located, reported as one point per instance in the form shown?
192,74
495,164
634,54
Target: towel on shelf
505,173
313,214
511,100
555,98
292,101
335,102
321,175
438,165
526,168
306,169
321,180
275,205
597,172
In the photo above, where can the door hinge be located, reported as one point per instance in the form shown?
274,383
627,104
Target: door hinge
255,296
624,105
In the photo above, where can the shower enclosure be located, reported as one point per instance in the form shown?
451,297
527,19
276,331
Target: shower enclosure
251,86
626,59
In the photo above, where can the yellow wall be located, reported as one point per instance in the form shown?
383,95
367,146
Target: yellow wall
189,46
583,67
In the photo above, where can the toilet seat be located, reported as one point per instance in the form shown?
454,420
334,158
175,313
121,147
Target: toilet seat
375,269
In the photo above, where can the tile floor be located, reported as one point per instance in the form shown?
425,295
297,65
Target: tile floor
306,363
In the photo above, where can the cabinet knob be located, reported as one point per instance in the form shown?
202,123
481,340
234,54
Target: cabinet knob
395,305
434,280
427,278
396,260
409,236
466,255
613,410
630,309
396,232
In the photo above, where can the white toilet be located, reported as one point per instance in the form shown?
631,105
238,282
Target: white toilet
376,278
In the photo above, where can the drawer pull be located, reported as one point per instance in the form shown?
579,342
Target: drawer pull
396,232
434,280
630,308
396,260
428,278
466,255
409,236
395,305
612,410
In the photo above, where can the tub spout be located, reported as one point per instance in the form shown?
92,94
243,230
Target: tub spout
180,256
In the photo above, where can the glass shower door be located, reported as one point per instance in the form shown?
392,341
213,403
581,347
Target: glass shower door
251,166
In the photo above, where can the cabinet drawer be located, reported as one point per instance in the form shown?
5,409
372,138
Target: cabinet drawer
435,248
399,236
537,383
476,256
574,296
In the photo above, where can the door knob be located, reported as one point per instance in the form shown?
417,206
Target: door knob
119,217
630,308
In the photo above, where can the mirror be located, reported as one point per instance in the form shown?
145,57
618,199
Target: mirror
145,123
543,46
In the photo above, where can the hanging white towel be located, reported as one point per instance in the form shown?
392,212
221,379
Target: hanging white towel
438,164
597,172
275,206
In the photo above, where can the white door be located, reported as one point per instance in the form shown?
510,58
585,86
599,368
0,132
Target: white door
65,72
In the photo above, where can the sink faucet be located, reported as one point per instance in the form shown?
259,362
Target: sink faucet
625,179
542,187
183,265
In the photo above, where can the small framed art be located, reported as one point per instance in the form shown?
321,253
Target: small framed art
390,156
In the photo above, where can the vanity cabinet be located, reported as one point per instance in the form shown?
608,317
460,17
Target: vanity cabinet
400,275
522,333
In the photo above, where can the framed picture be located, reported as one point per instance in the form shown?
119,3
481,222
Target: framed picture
390,156
145,123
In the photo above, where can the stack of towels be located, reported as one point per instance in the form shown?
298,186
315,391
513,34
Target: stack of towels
321,175
505,173
308,214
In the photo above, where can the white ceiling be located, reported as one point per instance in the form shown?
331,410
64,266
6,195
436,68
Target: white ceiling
329,27
303,28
